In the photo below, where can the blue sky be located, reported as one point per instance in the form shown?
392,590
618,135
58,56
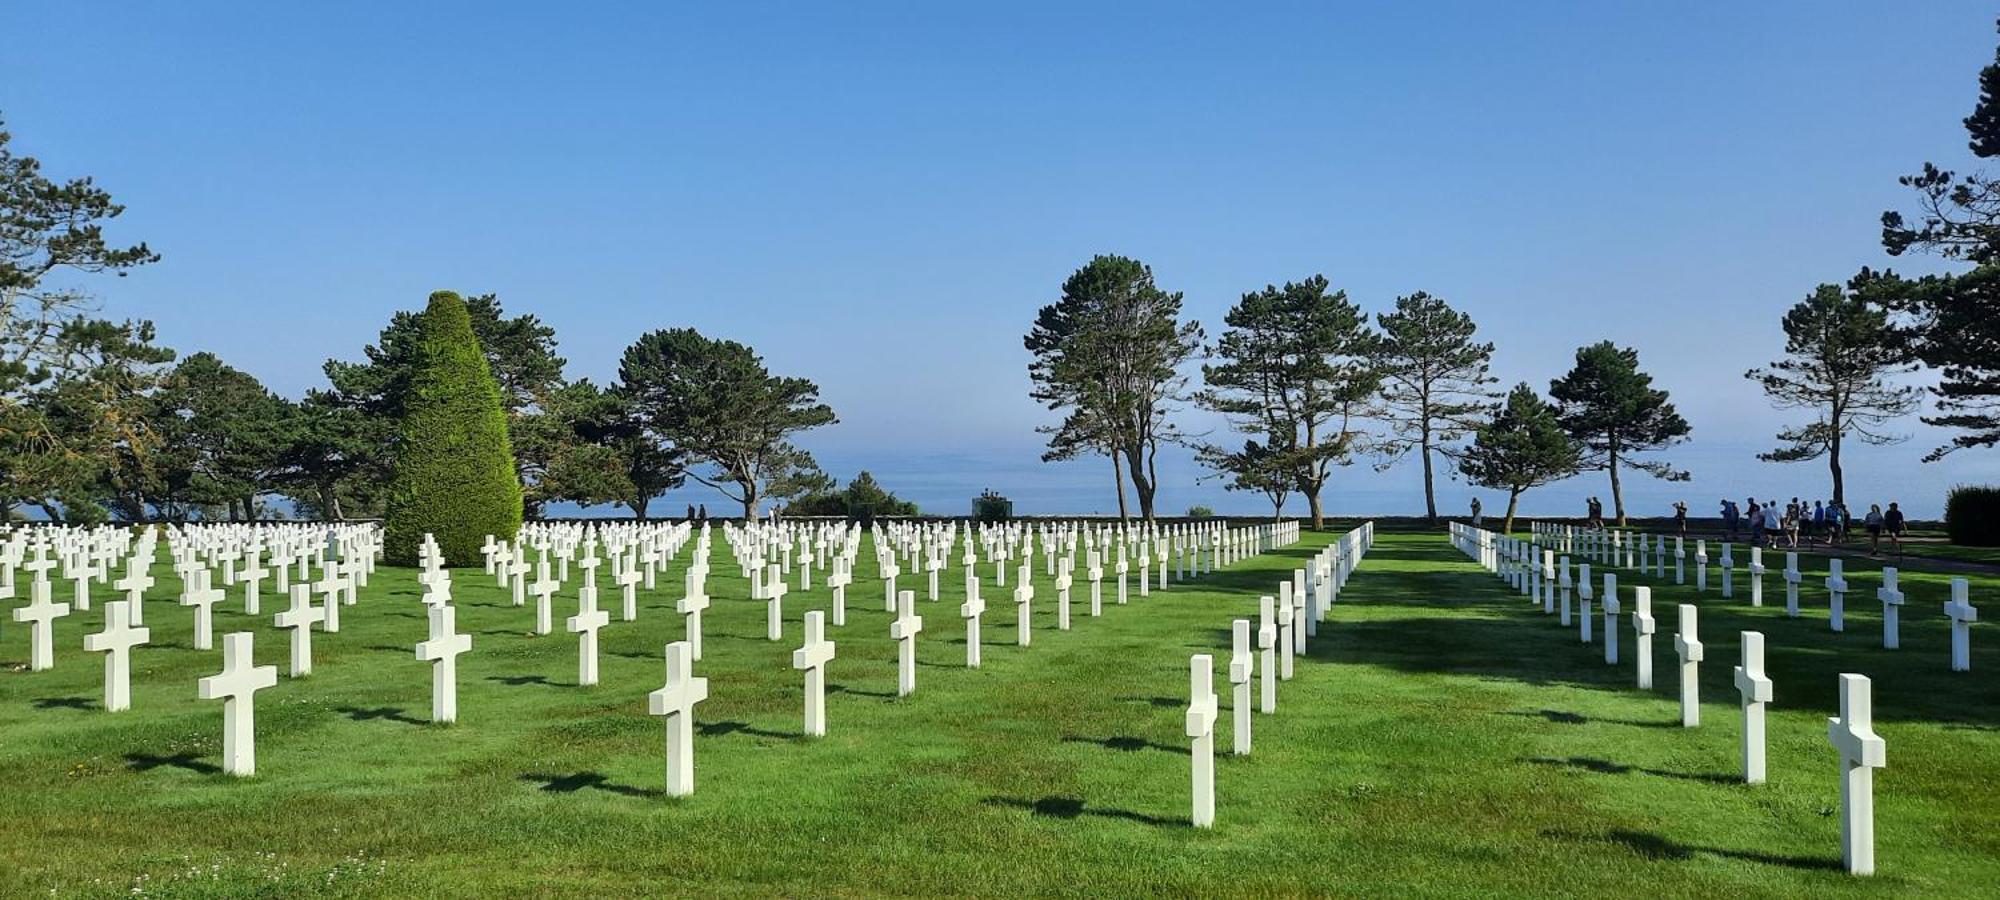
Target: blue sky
879,196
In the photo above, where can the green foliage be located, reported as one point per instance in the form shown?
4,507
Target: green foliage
1108,355
520,353
863,499
454,465
1613,411
1435,379
73,388
990,507
1839,356
1294,368
716,402
1523,445
1972,516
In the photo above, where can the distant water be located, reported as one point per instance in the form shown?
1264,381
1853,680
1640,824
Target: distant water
945,481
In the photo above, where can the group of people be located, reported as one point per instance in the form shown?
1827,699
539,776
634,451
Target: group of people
1828,523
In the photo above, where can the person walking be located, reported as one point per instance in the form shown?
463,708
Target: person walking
1873,522
1894,524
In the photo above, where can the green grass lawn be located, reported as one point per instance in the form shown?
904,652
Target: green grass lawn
1443,738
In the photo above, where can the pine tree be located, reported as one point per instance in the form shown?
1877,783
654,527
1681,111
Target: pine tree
454,475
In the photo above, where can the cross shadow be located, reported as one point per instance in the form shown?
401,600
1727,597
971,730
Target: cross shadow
189,761
718,729
1070,808
1125,743
519,680
1607,767
1653,846
1160,702
570,784
64,703
383,713
844,689
1563,717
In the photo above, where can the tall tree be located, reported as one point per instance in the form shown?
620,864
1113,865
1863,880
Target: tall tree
1255,467
1435,381
1108,353
454,466
1839,357
715,401
225,438
70,383
1522,446
520,352
1952,321
1613,411
1295,369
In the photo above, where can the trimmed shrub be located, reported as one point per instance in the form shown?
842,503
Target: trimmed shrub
454,466
1972,516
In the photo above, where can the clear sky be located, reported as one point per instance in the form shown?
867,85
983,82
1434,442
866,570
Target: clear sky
879,196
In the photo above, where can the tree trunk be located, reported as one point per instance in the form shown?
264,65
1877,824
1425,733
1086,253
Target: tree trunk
1833,463
1513,500
1617,494
1430,490
1118,475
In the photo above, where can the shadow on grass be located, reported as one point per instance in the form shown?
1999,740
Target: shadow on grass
1652,846
844,689
65,703
187,762
1562,717
570,784
1607,767
1071,808
1125,743
380,713
718,729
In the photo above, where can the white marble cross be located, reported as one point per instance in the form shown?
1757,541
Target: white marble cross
116,642
1642,634
904,630
775,590
135,584
1024,596
1242,663
300,619
1861,753
1836,587
1962,614
236,686
971,610
675,703
1267,651
627,580
544,590
812,658
442,651
691,605
1755,688
203,598
1201,715
1687,645
584,625
41,615
1891,595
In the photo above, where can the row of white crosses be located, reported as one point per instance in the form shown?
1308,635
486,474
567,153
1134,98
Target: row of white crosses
1852,733
1284,621
1958,610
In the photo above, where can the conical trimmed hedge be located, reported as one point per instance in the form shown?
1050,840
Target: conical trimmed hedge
454,475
